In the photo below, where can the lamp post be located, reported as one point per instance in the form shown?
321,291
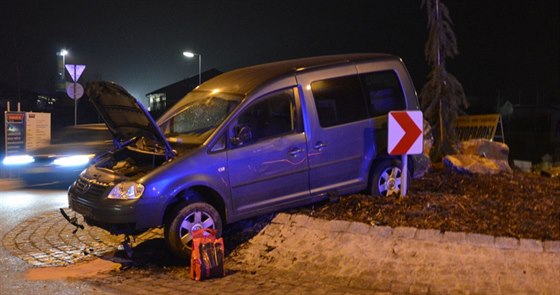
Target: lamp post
62,53
191,55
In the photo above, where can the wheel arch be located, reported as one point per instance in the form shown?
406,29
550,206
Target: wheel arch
196,193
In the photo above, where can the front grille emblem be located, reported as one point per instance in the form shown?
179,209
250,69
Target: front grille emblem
86,187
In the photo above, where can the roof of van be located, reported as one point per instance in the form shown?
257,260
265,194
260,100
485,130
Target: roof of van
245,80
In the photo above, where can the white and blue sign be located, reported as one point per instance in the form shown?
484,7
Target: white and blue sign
15,133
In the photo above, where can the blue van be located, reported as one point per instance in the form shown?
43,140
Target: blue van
247,142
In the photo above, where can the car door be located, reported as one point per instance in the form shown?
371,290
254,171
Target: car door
340,134
267,155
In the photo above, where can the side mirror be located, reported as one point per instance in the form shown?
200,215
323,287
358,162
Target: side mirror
242,135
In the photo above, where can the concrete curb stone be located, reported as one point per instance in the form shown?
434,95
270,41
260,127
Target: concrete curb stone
338,225
381,231
506,243
551,246
455,237
480,240
531,245
429,235
404,232
411,233
359,228
316,223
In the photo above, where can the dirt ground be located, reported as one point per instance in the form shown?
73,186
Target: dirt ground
520,205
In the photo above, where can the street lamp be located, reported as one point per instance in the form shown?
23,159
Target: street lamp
191,55
62,53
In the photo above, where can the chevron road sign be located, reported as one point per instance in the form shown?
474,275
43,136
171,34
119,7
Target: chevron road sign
405,138
405,133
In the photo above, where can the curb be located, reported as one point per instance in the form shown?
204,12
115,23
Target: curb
411,233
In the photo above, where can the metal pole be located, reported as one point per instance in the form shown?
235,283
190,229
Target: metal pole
63,68
75,100
404,175
199,68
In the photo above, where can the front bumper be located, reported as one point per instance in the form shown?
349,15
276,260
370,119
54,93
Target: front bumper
115,216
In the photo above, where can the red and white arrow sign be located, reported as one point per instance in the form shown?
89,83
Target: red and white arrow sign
405,133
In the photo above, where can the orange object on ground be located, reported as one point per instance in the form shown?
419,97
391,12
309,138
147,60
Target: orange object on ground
207,256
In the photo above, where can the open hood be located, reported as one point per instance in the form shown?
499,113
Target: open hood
125,117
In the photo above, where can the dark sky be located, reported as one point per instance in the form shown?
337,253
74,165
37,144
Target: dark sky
506,46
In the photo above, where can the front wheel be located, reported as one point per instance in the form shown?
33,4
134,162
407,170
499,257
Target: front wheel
178,231
386,178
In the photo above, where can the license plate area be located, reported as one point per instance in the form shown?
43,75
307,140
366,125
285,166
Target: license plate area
80,208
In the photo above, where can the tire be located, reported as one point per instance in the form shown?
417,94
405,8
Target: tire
386,178
184,220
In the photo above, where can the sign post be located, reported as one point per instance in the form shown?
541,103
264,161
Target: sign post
405,138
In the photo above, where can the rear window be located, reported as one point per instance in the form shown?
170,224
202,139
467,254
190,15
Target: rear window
353,98
383,92
339,100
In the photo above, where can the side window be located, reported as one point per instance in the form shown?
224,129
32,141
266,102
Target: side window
272,115
383,91
339,100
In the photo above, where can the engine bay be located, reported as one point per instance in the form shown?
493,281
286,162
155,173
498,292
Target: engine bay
130,162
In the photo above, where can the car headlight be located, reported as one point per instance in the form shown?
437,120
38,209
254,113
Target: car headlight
127,190
18,160
77,160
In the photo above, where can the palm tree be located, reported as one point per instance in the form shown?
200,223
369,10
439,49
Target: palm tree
442,97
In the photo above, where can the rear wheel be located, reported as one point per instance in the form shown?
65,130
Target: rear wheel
186,219
386,178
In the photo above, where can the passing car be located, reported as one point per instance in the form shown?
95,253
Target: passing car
247,142
71,150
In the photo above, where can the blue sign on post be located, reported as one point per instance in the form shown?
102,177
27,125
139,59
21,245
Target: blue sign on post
75,71
15,133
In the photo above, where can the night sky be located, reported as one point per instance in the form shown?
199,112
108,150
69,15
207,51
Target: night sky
510,48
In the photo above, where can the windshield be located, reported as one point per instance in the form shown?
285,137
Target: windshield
199,116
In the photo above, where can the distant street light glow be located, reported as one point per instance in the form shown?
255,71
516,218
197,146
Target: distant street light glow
191,55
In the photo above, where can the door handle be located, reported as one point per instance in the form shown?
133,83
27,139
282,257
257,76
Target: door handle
295,151
320,146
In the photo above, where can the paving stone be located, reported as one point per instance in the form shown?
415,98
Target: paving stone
530,245
399,288
419,289
281,218
299,220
